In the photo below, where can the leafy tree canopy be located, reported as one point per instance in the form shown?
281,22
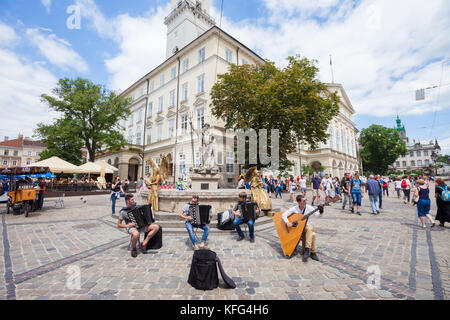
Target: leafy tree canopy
381,146
291,100
90,112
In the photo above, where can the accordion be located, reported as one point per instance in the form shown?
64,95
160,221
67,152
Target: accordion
141,216
248,210
200,214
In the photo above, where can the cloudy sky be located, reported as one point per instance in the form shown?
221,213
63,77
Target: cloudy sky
382,51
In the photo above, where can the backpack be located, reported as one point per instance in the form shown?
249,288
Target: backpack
203,274
404,185
445,196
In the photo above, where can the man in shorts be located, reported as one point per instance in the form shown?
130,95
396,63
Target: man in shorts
315,187
151,228
327,186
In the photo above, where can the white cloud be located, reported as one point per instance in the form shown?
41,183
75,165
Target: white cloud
47,4
8,36
58,51
21,84
141,41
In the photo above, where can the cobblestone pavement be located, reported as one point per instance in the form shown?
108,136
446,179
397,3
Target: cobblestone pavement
41,256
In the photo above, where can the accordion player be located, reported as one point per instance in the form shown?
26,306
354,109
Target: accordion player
248,210
200,213
141,216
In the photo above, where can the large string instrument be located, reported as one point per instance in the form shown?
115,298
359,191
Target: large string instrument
200,213
141,216
247,210
290,237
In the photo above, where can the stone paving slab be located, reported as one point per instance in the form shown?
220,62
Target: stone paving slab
47,249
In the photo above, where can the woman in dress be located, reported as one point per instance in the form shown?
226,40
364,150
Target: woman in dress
443,207
259,195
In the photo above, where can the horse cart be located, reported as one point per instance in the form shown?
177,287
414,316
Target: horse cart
23,195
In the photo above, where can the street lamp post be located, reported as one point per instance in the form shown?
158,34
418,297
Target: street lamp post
434,157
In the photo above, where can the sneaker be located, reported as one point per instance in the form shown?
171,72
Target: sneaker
433,225
378,211
252,240
195,246
134,253
314,256
358,213
240,238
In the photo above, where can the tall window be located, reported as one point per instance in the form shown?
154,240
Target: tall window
427,162
230,161
397,164
197,159
150,109
14,163
184,123
149,135
344,147
6,152
171,128
28,161
185,64
219,158
152,86
404,163
140,115
130,137
161,80
5,162
141,92
184,91
160,104
338,146
16,153
229,55
132,119
201,83
200,118
138,136
413,163
173,73
411,154
159,132
201,55
418,153
331,133
182,164
419,163
172,98
425,153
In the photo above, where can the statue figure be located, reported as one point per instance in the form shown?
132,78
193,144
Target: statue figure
101,181
158,175
259,195
207,152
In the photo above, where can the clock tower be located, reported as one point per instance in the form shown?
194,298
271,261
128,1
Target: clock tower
186,22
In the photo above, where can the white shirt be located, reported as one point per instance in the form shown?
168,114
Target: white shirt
296,209
302,183
327,183
398,184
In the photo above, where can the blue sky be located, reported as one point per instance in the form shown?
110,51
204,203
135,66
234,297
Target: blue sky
382,52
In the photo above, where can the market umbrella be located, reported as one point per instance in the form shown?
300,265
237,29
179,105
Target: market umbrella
58,165
93,168
108,166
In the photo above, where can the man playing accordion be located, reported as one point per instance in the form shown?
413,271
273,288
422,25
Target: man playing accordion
188,216
132,229
245,212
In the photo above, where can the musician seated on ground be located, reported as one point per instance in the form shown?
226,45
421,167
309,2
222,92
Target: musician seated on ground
308,236
151,228
240,218
189,220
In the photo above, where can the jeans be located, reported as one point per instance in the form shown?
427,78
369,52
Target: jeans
380,197
357,198
190,229
278,192
251,227
386,191
406,194
41,201
346,198
113,199
373,202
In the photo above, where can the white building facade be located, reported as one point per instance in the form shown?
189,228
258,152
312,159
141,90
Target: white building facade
175,95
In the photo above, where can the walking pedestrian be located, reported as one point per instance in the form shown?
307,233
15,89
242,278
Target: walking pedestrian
398,186
327,186
356,191
116,190
302,183
380,195
315,187
423,204
386,186
442,202
406,187
345,191
292,188
373,188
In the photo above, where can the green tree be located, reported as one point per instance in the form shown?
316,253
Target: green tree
291,100
61,140
381,146
90,112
